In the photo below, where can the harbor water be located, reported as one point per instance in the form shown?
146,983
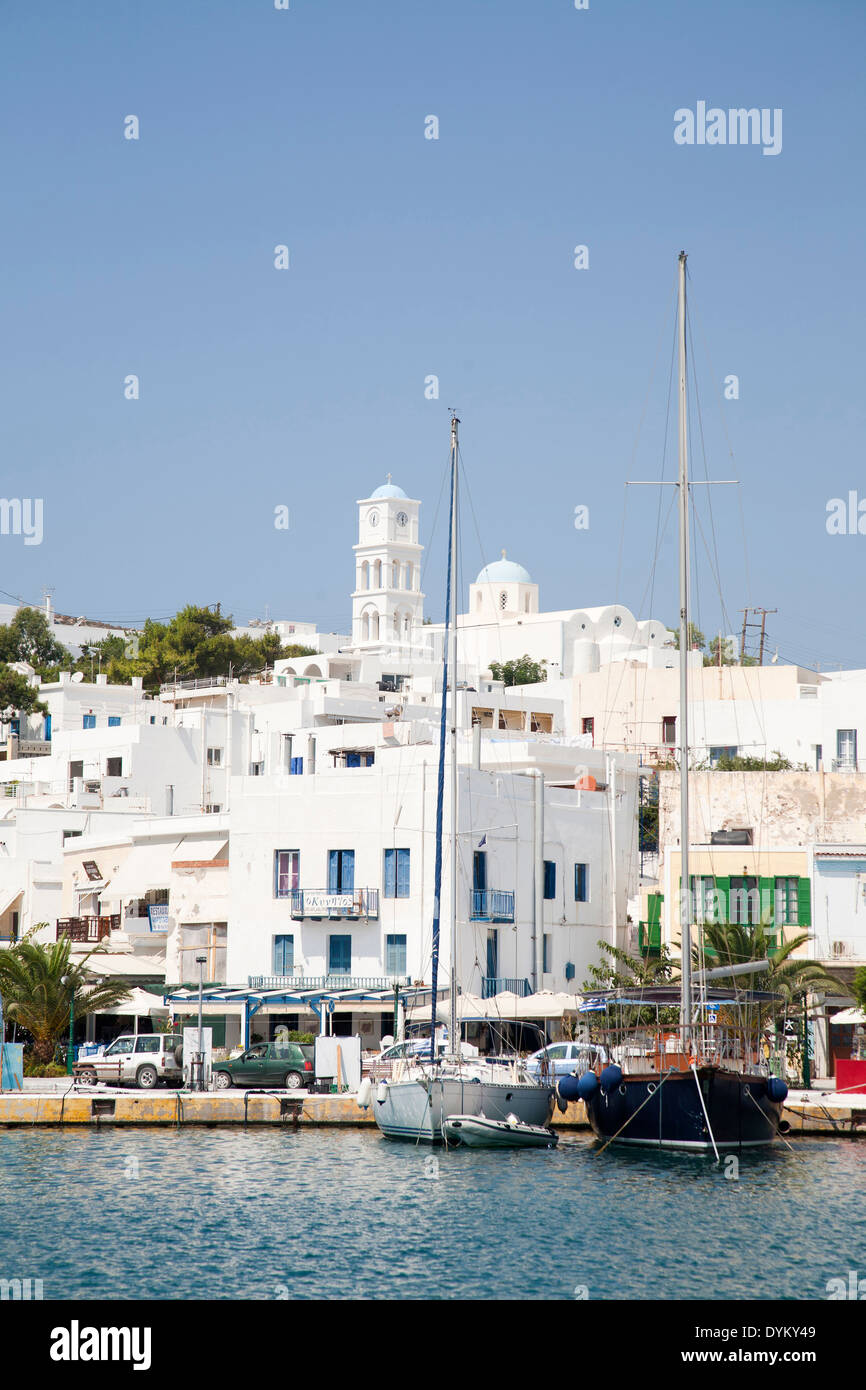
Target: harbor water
264,1214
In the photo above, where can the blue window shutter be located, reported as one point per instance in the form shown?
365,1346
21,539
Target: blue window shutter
390,873
395,955
113,721
348,883
339,955
276,873
353,760
403,873
284,955
549,878
48,728
333,870
580,893
89,721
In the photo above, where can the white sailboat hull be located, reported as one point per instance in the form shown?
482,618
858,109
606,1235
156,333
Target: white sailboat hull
417,1107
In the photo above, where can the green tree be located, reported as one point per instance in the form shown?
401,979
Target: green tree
17,696
858,989
35,996
735,943
697,640
747,763
617,969
29,638
522,670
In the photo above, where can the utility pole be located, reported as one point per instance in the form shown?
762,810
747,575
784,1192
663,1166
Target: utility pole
763,626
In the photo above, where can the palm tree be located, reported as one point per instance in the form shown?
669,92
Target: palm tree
736,943
38,984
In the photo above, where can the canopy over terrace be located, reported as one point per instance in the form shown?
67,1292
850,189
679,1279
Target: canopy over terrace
323,1002
545,1005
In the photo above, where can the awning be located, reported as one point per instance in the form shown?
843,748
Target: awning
147,866
849,1016
199,852
8,897
122,963
506,1007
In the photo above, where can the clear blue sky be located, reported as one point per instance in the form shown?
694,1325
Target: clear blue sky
411,257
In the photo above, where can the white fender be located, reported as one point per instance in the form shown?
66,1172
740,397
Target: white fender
382,1092
365,1092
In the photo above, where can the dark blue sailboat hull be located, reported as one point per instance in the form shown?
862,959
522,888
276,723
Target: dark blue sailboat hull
666,1112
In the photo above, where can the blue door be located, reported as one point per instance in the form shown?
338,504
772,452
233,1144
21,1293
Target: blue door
341,870
339,955
492,955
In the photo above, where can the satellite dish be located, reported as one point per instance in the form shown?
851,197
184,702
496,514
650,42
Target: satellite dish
78,677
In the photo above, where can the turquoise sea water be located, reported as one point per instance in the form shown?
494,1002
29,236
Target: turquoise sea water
260,1214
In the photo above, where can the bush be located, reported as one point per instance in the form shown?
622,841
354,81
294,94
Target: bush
296,1037
33,1068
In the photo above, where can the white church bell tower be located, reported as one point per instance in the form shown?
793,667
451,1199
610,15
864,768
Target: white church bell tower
387,604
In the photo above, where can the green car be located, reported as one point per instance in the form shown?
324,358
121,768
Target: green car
267,1064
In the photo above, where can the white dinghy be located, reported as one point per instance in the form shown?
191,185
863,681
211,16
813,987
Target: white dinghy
477,1132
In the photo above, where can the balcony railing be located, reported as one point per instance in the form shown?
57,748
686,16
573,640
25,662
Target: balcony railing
492,905
87,928
293,984
502,984
846,764
361,902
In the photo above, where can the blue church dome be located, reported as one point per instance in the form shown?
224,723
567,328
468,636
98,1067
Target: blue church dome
388,489
504,571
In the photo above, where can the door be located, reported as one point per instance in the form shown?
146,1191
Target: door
493,955
248,1068
341,871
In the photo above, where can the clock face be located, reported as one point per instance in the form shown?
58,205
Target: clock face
402,518
373,518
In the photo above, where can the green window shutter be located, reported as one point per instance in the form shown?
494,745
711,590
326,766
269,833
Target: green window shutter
804,902
767,899
654,908
723,888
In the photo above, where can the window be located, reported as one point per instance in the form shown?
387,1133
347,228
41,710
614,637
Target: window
113,721
283,955
819,756
669,729
153,719
296,767
287,872
257,769
341,871
484,717
581,883
546,953
587,726
479,871
91,868
395,955
717,752
214,757
339,955
72,835
114,767
89,721
396,873
745,906
786,901
149,1043
76,769
549,879
503,600
704,899
846,748
541,723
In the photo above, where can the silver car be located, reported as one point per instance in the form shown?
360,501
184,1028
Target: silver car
564,1059
142,1060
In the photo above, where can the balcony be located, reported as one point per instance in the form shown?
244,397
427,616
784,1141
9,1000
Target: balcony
87,928
316,903
502,984
492,905
294,984
846,764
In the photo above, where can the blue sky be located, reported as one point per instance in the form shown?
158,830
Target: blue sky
412,257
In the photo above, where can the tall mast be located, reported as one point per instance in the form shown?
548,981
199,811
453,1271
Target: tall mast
453,1034
685,885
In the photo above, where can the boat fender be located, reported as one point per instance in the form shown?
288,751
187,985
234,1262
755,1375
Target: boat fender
512,1120
382,1092
561,1105
776,1089
587,1085
568,1088
611,1077
365,1092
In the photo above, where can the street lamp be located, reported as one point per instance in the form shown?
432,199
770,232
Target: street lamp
201,962
67,980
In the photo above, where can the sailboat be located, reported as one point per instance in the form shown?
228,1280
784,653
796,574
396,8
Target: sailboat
424,1093
686,1068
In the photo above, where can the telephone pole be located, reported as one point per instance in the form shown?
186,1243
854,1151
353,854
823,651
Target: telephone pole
762,625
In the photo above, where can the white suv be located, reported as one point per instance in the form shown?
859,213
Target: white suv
143,1060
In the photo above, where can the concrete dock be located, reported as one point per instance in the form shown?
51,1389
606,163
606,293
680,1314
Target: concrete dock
804,1113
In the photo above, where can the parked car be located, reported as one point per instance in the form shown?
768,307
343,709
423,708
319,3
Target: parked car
267,1064
143,1060
564,1059
379,1066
